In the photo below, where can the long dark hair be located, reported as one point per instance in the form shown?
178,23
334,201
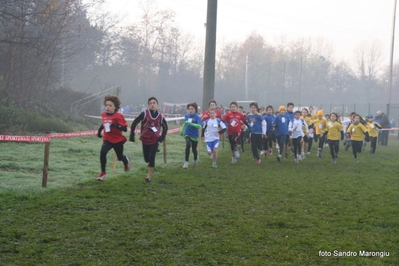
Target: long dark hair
362,121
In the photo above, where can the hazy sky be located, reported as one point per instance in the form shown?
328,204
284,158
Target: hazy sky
346,23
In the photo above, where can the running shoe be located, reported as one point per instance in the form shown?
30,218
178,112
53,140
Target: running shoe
278,158
258,161
214,165
127,165
195,163
102,176
233,160
185,165
237,154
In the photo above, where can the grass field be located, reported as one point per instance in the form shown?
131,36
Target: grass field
243,214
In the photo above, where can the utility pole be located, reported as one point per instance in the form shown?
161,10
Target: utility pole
208,92
391,62
300,83
284,83
246,78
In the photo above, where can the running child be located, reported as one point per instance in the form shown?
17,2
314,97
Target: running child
290,116
189,129
358,132
151,123
268,140
280,124
320,128
233,120
113,123
258,130
307,139
211,135
295,127
373,128
334,132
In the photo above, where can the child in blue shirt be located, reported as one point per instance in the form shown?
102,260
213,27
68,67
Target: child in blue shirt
268,140
280,124
189,130
258,130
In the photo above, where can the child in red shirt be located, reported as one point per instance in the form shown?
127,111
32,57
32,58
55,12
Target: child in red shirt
113,123
234,120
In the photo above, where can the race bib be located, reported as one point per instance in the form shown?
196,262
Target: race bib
252,124
330,124
283,120
233,123
320,126
372,125
190,120
214,125
154,129
353,130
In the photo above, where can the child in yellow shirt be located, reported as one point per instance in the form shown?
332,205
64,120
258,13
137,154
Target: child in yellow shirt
334,132
320,128
373,133
307,139
358,132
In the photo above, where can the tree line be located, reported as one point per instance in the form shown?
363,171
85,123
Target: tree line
51,46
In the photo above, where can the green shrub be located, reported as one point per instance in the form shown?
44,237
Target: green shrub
16,121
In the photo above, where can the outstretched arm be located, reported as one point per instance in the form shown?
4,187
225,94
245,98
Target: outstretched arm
134,125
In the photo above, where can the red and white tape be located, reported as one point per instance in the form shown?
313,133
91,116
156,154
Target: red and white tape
72,134
24,138
48,137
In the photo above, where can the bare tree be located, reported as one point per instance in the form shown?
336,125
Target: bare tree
368,58
38,38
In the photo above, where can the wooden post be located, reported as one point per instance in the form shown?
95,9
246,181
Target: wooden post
114,163
45,166
164,151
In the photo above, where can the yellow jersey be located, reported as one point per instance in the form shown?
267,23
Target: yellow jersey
373,128
320,126
334,130
357,131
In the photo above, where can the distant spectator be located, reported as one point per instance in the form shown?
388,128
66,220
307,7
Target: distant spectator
378,120
126,110
384,124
